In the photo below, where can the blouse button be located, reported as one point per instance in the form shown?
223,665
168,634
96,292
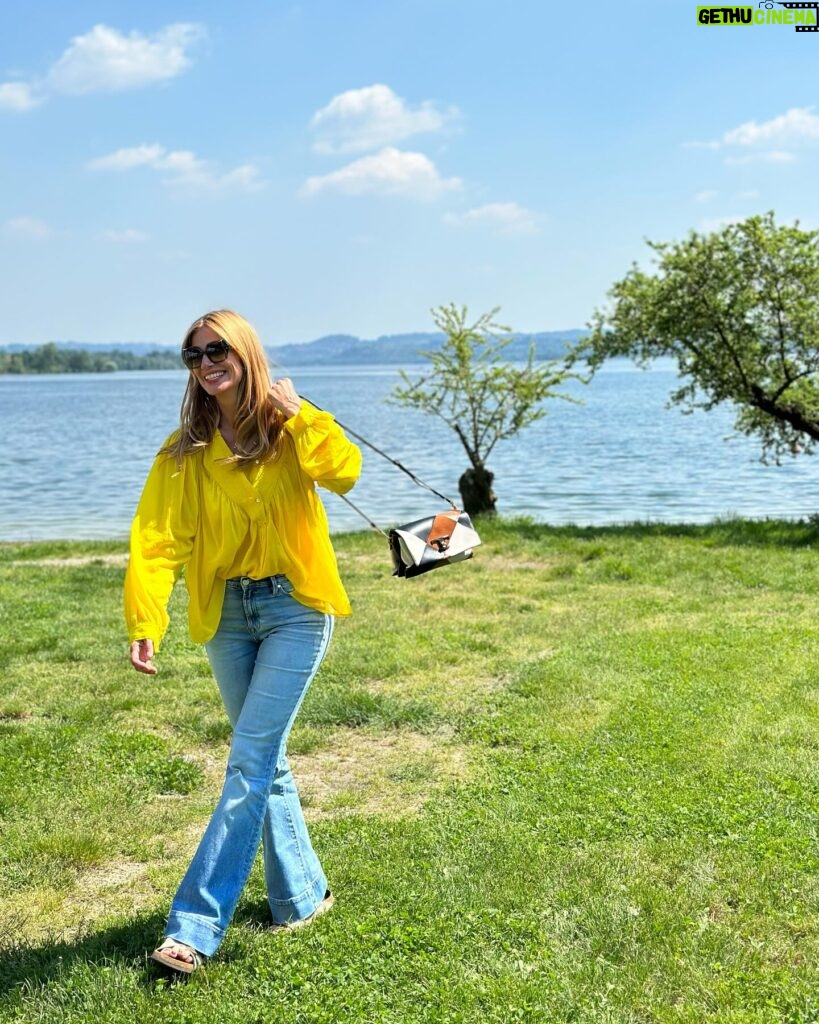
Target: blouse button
258,501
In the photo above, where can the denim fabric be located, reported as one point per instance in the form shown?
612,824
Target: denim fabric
264,656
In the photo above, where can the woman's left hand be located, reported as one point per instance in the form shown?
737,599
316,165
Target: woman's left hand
283,395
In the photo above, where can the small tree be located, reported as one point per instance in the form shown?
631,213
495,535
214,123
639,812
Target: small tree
478,395
738,310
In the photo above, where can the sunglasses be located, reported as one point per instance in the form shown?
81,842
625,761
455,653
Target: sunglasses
216,351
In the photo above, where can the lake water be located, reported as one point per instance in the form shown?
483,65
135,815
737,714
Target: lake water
77,449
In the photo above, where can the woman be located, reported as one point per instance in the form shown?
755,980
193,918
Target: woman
231,497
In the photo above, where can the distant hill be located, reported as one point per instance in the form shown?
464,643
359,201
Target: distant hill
341,349
401,349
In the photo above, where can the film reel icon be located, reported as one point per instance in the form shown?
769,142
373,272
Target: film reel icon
801,7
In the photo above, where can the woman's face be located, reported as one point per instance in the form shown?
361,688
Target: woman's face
217,379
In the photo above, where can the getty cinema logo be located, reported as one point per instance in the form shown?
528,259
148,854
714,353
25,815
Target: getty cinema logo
803,16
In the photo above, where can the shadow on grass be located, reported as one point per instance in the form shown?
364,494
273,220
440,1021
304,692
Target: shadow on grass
129,945
253,913
734,532
35,965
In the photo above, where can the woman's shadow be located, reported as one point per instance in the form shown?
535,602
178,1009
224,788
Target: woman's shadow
37,963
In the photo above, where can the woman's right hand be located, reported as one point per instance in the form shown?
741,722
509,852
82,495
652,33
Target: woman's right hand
142,652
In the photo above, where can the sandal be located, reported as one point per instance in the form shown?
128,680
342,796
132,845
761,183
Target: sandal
174,962
322,908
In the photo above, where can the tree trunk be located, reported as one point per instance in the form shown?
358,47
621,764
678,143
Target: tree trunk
477,495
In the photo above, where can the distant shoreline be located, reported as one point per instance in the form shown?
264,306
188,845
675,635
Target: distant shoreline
334,350
50,358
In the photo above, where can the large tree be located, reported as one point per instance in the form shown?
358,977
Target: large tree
479,395
738,309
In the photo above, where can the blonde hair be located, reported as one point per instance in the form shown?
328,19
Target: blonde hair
258,424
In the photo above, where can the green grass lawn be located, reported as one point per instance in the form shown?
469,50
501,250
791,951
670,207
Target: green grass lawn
573,780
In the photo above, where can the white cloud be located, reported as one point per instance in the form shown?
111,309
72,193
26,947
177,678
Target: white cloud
27,227
507,218
180,167
126,159
372,117
775,156
105,60
799,124
244,178
705,196
185,169
749,193
391,172
183,166
128,235
18,96
796,123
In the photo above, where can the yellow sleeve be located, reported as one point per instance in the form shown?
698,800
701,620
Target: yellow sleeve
324,453
162,537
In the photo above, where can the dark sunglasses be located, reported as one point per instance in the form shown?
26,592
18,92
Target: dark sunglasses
216,351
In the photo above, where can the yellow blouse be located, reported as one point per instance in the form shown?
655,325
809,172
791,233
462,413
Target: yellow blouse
220,521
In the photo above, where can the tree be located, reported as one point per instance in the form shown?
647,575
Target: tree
479,396
738,309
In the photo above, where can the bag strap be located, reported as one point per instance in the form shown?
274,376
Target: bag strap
389,458
363,515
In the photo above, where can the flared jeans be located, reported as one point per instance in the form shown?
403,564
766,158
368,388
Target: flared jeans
264,655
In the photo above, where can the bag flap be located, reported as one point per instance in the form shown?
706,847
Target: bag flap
443,526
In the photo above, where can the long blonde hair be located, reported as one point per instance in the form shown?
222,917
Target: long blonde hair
258,424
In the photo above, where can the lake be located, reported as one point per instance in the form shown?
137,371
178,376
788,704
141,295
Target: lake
78,449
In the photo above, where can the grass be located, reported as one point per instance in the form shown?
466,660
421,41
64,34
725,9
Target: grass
573,780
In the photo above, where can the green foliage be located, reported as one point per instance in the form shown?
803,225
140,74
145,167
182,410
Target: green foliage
49,358
479,396
356,707
145,759
738,310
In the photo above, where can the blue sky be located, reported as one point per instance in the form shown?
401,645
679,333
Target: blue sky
341,166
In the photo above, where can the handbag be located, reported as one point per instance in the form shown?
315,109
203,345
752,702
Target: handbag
424,544
432,542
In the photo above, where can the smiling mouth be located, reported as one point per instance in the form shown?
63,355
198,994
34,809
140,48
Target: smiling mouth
215,376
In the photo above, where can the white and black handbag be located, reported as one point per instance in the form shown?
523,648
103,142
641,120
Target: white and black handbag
432,542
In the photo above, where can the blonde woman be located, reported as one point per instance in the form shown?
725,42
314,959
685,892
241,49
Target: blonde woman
231,497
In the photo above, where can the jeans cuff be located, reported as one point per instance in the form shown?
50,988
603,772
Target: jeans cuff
194,931
301,906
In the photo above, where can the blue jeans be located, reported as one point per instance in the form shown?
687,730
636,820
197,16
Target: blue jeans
264,655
